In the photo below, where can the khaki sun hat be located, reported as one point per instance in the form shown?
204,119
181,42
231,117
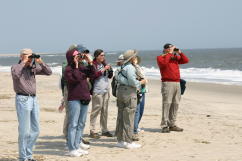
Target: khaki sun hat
128,55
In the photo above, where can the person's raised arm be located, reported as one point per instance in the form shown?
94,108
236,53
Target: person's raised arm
131,77
17,69
163,59
42,68
184,59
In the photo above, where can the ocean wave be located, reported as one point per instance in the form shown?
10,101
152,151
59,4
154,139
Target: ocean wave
111,53
53,64
207,75
52,55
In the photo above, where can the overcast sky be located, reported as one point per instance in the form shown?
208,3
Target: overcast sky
53,25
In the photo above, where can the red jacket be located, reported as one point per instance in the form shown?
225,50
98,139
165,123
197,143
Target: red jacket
169,67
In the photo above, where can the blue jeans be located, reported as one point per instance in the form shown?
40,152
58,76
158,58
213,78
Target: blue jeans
77,120
28,128
139,113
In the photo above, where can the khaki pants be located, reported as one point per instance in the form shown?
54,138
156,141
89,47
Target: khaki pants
65,125
171,95
99,104
126,102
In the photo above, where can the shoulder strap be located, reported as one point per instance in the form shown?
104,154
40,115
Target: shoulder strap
120,72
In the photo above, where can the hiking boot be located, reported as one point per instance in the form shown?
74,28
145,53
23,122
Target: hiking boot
165,130
94,135
85,141
108,134
135,137
175,128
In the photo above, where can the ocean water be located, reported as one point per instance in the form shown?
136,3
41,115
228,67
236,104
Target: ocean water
222,66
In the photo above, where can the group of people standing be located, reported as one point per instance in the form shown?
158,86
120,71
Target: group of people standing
92,78
88,79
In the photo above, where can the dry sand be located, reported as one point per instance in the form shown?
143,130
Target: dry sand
211,115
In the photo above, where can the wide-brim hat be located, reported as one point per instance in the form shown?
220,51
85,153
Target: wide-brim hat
128,55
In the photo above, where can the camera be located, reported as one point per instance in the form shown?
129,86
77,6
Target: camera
34,56
109,71
82,55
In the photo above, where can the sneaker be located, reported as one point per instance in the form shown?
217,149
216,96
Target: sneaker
84,146
75,153
135,137
85,141
175,128
83,152
133,145
165,130
94,135
122,144
108,134
139,130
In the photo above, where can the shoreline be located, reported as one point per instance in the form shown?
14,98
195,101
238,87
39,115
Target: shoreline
17,54
158,79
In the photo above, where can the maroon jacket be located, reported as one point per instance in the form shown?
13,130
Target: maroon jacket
77,79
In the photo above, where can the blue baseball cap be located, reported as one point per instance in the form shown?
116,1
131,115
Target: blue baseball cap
82,49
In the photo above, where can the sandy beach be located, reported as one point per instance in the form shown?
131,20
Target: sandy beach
209,113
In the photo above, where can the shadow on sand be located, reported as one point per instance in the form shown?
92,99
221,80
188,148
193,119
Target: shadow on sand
50,145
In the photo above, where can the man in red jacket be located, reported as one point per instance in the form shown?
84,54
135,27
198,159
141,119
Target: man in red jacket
168,63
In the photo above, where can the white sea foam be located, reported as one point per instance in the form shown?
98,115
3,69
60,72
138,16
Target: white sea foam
5,68
208,75
52,64
111,53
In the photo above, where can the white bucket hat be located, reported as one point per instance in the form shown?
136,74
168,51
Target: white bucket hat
26,51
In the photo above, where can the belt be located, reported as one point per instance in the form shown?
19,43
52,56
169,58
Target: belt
23,94
123,85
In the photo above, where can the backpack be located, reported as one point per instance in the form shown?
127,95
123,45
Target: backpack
63,80
114,83
183,86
